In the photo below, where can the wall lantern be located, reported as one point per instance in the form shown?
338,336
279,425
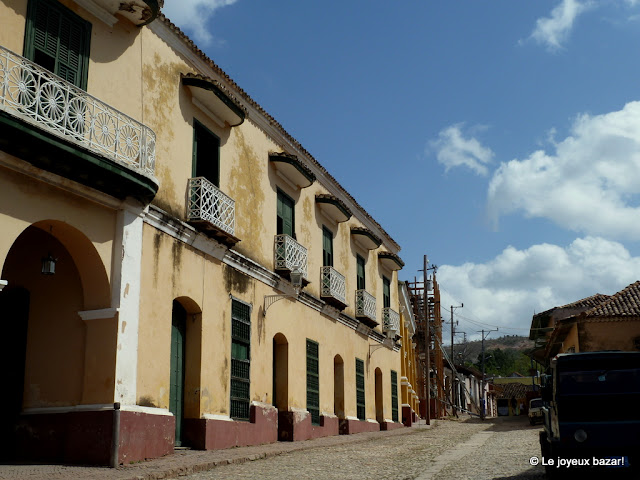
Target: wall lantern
49,265
296,281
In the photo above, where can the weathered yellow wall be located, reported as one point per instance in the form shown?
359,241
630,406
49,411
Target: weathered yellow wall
608,335
26,202
571,340
12,20
173,270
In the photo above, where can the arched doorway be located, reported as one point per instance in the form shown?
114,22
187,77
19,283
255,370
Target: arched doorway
54,357
379,397
281,381
338,387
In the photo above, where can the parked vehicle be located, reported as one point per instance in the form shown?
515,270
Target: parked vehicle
590,410
535,411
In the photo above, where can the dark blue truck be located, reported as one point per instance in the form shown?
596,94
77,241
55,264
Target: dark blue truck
591,409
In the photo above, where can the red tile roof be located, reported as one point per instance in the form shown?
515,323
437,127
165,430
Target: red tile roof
591,302
625,303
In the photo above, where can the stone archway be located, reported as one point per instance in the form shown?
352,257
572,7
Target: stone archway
63,357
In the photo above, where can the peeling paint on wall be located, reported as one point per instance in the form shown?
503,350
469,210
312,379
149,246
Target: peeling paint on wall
235,281
246,175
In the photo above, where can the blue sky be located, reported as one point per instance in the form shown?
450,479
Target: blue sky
500,138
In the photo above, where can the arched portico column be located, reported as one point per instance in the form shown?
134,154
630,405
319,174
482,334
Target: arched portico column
125,295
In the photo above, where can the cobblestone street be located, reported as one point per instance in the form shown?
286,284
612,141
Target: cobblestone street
456,449
467,449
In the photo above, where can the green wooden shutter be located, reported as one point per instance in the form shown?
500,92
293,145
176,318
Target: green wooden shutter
177,372
327,247
313,382
240,359
360,395
394,396
285,215
58,39
360,273
386,292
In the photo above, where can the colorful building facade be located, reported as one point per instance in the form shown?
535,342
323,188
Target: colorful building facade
177,269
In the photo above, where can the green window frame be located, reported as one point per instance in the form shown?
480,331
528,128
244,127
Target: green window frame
206,154
58,40
360,273
360,394
240,359
386,292
327,247
286,215
394,395
313,381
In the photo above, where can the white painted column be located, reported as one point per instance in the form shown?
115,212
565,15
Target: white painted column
3,283
125,297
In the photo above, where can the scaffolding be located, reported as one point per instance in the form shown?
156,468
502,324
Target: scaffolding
425,301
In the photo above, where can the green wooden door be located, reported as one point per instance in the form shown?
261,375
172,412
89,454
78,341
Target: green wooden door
360,273
327,247
285,215
386,292
206,154
176,393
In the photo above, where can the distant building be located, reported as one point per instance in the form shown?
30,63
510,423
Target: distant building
595,323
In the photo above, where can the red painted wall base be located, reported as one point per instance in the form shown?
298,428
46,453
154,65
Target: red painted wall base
390,425
205,434
348,426
85,437
296,426
407,416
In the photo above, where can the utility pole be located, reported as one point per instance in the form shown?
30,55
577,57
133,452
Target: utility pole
483,401
453,361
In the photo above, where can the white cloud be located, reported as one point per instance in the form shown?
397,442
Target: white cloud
453,150
192,16
553,31
590,184
507,290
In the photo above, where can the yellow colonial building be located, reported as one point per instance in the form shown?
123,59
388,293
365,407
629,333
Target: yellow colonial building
176,269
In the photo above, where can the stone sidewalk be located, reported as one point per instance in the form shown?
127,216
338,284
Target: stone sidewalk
184,462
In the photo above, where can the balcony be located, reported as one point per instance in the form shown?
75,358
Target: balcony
333,287
212,210
390,322
138,12
289,254
366,308
59,127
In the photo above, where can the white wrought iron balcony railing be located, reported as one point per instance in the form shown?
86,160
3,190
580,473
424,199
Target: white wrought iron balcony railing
333,284
365,305
289,254
390,320
38,97
207,203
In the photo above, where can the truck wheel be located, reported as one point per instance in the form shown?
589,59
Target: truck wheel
547,453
